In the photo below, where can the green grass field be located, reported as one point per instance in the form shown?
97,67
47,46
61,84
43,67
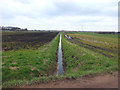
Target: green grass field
82,61
30,65
103,43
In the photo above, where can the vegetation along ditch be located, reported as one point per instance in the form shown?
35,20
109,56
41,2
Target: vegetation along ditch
26,64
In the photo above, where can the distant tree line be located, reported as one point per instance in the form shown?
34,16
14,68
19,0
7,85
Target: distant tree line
107,32
9,28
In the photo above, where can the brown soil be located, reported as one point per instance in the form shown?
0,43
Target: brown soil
88,81
13,68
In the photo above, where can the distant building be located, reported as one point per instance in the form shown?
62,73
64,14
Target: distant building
10,28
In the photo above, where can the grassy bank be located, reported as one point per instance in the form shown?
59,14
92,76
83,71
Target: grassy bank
106,44
26,65
82,61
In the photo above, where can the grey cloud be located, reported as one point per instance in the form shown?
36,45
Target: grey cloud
73,9
10,14
61,9
58,13
5,14
70,9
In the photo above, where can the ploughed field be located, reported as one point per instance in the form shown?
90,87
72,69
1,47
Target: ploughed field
27,55
25,40
31,57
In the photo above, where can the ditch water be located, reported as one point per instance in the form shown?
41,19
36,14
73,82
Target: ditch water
60,65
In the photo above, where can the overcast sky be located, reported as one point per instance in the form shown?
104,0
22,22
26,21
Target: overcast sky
80,15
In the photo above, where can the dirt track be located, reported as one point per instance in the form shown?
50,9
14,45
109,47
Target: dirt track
99,81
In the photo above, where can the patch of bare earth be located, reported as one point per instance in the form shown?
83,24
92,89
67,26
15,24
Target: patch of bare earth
88,81
13,68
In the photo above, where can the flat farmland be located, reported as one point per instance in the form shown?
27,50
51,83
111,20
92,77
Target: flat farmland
106,44
25,40
89,53
30,59
28,55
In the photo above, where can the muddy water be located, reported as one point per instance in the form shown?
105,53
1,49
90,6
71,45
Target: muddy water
60,66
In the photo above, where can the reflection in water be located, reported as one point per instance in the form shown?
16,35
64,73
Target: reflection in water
60,66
